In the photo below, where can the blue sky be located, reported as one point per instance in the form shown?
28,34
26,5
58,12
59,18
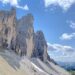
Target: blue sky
55,18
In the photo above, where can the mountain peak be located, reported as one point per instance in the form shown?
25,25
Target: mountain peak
17,41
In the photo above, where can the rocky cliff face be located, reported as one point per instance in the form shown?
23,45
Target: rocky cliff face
20,36
25,32
7,27
40,46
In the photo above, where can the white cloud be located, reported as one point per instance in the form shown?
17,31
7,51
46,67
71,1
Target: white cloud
14,3
60,52
72,24
58,47
11,2
66,36
64,4
24,8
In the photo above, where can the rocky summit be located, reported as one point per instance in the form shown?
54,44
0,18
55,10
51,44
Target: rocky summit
40,46
7,28
19,35
22,50
24,38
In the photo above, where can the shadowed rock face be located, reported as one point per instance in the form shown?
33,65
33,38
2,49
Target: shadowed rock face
7,27
40,46
19,35
25,32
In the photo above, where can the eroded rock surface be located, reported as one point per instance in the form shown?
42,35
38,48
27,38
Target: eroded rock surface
19,35
25,32
40,46
7,27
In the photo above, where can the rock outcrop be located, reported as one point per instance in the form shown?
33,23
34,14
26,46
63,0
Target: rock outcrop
7,28
25,33
40,46
19,35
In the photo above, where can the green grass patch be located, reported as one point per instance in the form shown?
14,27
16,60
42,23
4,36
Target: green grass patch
72,72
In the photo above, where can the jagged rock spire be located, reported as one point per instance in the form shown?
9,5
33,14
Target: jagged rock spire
20,36
7,30
25,35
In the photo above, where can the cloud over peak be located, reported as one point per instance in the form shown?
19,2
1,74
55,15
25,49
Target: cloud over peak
11,2
14,3
64,4
23,7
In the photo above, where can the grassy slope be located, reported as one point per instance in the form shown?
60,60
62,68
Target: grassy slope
72,72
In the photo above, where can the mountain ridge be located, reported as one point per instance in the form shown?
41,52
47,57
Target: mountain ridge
23,50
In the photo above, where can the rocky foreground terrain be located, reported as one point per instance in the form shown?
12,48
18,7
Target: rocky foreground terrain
22,50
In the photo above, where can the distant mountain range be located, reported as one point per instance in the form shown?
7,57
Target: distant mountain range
67,65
